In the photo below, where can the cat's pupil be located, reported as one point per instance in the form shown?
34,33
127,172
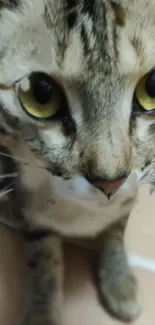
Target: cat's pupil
42,91
150,84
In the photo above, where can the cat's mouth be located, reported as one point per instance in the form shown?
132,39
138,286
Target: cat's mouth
84,194
108,188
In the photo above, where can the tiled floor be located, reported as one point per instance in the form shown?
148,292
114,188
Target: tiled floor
81,304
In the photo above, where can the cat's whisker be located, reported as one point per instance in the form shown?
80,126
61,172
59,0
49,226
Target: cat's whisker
11,175
22,161
6,192
7,189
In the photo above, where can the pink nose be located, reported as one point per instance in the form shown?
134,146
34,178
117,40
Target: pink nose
110,188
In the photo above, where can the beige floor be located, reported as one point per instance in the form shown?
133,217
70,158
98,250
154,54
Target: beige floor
81,305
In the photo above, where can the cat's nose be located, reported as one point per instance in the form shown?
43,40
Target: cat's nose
109,188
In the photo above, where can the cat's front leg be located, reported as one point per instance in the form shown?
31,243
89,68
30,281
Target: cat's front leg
43,300
118,286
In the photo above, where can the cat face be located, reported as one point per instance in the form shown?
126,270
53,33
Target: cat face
77,80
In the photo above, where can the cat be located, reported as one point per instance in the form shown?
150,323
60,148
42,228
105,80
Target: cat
77,90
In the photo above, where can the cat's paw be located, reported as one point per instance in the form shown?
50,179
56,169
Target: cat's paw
121,296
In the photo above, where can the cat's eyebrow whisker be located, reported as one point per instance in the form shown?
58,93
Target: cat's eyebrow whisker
11,175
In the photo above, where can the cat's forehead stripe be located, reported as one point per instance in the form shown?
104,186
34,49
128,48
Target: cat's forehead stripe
10,4
119,13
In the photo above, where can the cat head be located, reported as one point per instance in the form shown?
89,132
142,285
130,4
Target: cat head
78,77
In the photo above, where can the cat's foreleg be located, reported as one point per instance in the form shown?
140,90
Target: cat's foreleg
44,291
118,286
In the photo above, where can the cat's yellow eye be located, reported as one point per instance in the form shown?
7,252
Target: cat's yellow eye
145,92
43,98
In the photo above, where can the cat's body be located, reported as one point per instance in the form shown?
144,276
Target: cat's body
46,213
71,92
